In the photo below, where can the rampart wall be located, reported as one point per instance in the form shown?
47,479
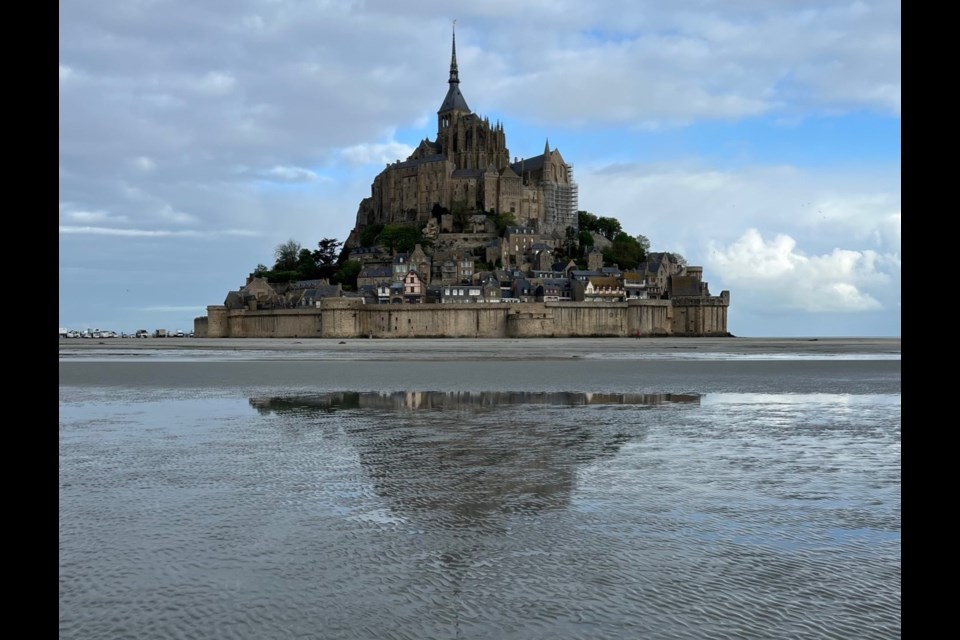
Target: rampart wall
350,318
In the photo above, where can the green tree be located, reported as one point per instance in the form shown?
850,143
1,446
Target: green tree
625,251
608,227
584,241
286,255
327,252
347,274
281,276
370,235
401,237
503,220
586,221
644,243
570,241
306,266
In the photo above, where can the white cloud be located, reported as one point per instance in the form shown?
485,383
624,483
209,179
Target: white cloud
292,174
145,164
215,83
89,217
66,73
675,204
151,233
819,241
169,214
376,153
198,309
131,233
784,277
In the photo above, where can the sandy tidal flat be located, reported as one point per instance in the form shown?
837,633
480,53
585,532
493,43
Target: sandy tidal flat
471,347
626,365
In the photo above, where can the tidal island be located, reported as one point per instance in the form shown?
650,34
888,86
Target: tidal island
459,240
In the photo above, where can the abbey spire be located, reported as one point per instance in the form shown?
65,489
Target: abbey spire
454,73
454,100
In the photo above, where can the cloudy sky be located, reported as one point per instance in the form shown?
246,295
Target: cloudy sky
759,139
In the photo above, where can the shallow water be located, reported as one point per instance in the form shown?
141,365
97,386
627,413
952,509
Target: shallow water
257,511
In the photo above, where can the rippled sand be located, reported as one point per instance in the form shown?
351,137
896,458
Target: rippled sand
211,513
653,488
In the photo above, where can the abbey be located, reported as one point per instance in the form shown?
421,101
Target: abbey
468,170
490,249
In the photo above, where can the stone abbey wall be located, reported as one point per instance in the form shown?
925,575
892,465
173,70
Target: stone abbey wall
349,318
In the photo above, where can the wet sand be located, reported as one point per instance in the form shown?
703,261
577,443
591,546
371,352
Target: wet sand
628,365
494,348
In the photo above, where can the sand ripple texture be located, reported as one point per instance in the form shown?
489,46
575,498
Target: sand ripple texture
443,515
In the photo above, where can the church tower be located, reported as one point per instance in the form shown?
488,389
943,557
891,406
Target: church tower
453,107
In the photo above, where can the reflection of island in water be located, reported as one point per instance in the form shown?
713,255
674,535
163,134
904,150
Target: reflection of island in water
470,459
461,400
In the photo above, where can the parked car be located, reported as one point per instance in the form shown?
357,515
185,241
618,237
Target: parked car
179,334
142,333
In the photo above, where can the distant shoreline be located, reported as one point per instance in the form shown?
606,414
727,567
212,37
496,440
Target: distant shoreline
495,346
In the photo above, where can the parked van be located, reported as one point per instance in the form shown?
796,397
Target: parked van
142,333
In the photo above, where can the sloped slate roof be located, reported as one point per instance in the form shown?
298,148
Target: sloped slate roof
376,271
307,284
454,100
528,164
327,291
649,267
413,163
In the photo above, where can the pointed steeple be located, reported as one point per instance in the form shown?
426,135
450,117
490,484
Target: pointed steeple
546,148
454,100
454,73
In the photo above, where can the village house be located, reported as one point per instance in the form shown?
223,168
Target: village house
413,288
597,289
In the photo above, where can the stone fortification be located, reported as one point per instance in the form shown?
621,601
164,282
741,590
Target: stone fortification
350,318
